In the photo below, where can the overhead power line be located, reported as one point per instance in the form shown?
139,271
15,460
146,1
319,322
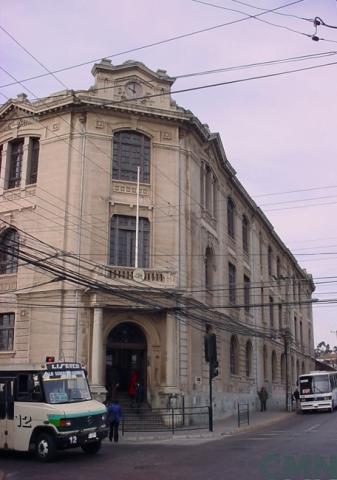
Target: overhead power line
148,45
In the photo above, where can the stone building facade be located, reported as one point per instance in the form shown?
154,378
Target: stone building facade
208,258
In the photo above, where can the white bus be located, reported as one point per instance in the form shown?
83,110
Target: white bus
318,391
48,408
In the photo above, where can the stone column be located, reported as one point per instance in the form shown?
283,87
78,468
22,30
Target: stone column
171,352
97,356
3,162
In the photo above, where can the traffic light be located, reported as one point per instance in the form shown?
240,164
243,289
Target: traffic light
214,369
50,359
210,348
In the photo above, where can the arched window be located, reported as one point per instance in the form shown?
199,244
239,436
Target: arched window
130,150
234,355
123,240
273,366
249,358
209,268
297,369
231,218
265,365
245,235
283,368
9,249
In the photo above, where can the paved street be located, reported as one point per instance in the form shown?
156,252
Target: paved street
299,447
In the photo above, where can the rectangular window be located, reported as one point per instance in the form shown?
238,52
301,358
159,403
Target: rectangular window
245,235
230,218
33,160
270,261
15,163
131,150
271,311
7,321
123,239
295,328
246,293
232,283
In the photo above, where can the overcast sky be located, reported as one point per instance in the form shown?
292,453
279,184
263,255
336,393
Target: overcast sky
279,133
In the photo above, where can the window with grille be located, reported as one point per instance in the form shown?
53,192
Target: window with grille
234,356
33,160
270,261
7,321
9,249
130,150
246,293
123,241
245,235
209,268
15,163
231,218
249,354
231,283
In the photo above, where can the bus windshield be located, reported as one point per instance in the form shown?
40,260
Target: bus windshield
314,384
65,386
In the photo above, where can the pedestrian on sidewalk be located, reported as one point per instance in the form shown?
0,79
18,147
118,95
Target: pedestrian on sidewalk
296,397
114,418
263,396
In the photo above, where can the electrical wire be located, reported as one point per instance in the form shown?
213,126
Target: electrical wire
149,45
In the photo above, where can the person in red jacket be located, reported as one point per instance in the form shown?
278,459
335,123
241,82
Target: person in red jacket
132,389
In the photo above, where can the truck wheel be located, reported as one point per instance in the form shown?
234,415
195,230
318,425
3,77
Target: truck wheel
45,447
91,448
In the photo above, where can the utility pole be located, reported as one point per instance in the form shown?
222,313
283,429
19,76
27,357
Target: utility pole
286,337
211,358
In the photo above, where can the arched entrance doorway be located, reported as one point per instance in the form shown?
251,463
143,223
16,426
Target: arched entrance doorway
126,352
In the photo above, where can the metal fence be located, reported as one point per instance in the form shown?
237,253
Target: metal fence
243,413
165,419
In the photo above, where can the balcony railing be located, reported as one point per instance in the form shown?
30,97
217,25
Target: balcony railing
160,277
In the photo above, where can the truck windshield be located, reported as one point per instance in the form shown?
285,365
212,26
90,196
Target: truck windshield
66,386
314,384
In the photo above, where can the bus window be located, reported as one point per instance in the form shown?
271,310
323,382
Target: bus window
6,400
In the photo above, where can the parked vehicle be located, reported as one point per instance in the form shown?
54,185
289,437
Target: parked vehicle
49,408
318,391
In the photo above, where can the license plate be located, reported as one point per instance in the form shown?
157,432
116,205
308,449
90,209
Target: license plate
92,435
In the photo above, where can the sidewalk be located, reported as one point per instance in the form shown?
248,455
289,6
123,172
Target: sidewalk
228,426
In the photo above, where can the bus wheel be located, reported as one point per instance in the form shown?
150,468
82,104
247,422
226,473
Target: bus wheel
45,447
91,448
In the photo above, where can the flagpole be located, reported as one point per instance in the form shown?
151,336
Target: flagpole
137,218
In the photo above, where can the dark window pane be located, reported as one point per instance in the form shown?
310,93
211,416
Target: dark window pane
7,321
33,160
9,249
130,150
123,238
15,164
